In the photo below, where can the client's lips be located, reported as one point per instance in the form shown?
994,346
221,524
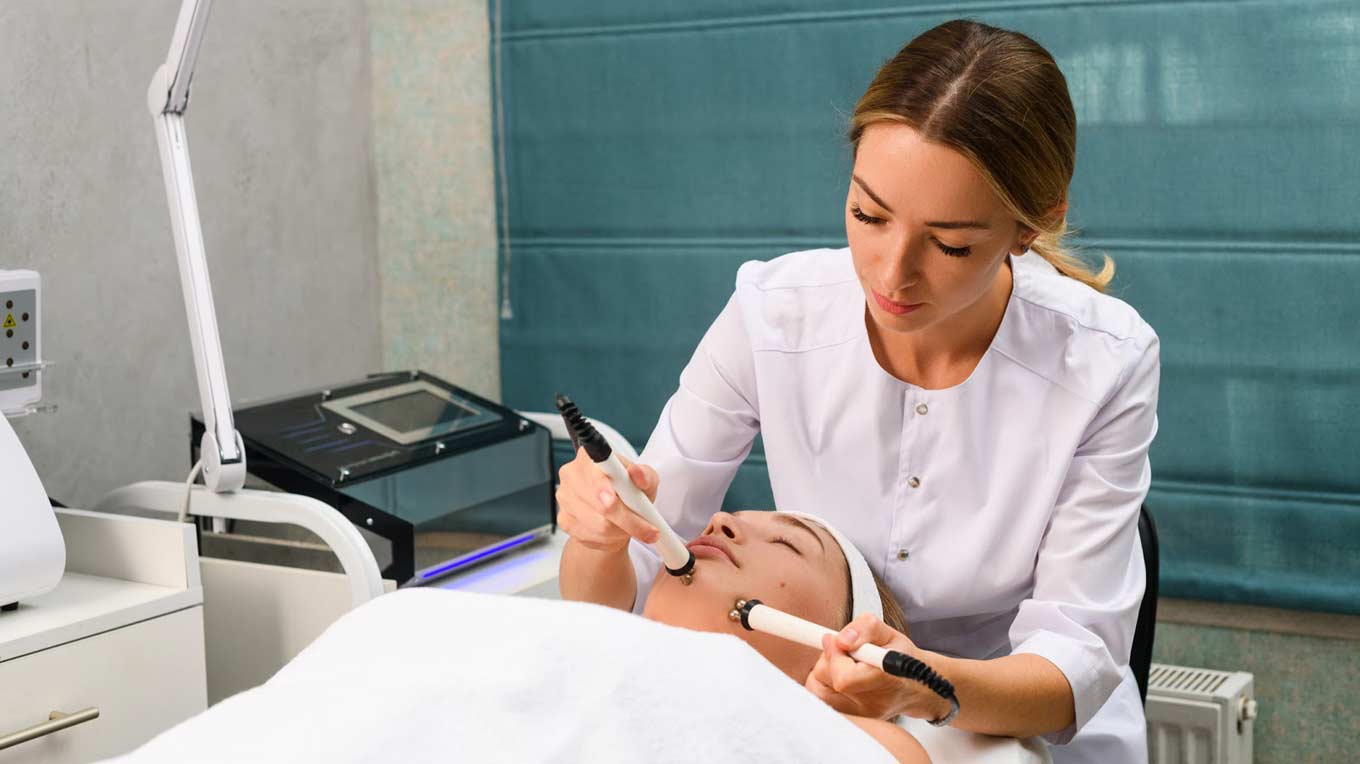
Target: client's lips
712,546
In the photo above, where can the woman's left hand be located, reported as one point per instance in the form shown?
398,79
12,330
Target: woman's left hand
858,688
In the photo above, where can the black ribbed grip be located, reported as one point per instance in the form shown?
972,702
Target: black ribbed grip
907,667
583,432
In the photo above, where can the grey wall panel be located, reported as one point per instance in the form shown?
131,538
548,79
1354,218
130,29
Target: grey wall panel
282,151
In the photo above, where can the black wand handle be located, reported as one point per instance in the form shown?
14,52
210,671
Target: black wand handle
907,667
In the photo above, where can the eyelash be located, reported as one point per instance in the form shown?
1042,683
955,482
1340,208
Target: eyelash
787,543
948,250
861,217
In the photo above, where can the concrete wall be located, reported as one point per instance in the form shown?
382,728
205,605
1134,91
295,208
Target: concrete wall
283,157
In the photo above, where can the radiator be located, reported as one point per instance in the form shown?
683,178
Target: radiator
1199,716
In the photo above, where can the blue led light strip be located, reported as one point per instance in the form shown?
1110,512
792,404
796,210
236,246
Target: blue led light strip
466,560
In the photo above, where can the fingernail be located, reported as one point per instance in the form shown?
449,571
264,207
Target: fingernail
849,635
606,499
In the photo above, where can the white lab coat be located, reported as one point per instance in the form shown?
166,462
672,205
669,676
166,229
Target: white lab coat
1001,511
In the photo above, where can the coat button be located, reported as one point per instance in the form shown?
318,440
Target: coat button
922,408
903,554
915,482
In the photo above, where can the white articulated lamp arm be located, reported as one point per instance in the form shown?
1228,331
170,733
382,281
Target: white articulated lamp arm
224,461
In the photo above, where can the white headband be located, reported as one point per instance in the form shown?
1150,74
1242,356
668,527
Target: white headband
863,591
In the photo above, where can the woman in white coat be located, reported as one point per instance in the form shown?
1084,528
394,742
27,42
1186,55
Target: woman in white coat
954,391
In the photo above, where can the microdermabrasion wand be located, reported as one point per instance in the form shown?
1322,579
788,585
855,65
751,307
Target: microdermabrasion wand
755,615
679,561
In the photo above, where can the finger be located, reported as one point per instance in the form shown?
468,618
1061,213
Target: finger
863,681
593,488
840,667
867,628
589,528
848,676
866,678
829,696
645,478
566,506
631,523
595,495
572,509
587,482
840,702
821,673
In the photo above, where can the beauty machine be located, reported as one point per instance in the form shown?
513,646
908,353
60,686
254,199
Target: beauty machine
436,478
32,552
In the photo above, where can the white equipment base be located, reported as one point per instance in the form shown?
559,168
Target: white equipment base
32,555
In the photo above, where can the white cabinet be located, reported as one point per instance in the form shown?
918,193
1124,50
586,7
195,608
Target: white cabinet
122,633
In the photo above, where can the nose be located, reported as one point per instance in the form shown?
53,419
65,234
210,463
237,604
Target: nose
725,524
899,265
899,268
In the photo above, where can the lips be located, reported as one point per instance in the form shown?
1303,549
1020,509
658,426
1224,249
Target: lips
712,547
895,308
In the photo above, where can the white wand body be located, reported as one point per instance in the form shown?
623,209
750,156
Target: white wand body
754,615
679,561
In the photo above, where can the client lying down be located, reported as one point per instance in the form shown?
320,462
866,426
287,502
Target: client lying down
795,563
424,675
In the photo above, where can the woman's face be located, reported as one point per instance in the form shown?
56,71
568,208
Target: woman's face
783,561
927,235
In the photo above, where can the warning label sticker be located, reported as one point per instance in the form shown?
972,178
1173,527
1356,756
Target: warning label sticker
9,322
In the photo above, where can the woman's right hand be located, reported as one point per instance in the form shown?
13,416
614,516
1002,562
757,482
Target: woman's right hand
589,510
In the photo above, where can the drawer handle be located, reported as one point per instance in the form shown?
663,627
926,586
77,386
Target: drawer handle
57,721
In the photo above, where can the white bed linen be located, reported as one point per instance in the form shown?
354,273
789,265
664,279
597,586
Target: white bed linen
438,676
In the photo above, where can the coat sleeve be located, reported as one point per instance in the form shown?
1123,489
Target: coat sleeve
1089,576
704,434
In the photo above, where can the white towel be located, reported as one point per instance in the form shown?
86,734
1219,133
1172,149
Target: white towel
437,676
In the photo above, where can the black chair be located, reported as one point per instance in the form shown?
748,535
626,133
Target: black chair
1140,657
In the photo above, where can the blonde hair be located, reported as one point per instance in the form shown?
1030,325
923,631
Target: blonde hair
999,99
892,611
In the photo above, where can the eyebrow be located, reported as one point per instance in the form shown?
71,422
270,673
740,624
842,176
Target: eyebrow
795,522
949,224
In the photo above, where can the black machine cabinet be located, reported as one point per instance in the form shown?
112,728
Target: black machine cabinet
437,478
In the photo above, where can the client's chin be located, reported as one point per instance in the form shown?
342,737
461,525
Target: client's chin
703,605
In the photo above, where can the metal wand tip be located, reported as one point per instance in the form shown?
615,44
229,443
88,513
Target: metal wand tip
687,579
733,615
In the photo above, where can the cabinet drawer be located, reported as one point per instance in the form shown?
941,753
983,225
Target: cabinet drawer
143,678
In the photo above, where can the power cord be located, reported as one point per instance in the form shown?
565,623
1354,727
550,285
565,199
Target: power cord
189,490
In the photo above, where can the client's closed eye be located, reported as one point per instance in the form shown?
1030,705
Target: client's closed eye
787,543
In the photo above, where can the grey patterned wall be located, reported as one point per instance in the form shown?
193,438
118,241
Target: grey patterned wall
436,207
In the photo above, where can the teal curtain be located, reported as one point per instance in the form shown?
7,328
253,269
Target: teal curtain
650,148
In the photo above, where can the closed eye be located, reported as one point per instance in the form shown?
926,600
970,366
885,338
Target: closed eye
863,218
859,215
787,543
953,251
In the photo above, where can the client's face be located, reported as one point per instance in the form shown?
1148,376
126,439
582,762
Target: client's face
781,560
